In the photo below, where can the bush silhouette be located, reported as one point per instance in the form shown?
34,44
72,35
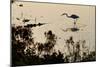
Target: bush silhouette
44,53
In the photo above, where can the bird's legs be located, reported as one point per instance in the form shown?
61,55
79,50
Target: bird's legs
75,23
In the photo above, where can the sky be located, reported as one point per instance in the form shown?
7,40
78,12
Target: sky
51,14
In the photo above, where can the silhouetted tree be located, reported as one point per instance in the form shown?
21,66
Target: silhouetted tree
21,37
75,55
23,54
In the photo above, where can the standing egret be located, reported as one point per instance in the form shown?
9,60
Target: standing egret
73,16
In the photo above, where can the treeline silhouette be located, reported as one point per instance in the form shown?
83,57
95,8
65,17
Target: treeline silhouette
44,53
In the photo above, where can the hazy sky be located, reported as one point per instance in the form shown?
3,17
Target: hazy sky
51,14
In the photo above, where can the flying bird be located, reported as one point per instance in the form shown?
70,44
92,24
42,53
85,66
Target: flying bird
73,16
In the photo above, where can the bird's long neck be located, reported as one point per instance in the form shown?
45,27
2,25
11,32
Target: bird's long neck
67,15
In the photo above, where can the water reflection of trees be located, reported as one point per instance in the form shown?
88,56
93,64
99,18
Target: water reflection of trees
44,53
